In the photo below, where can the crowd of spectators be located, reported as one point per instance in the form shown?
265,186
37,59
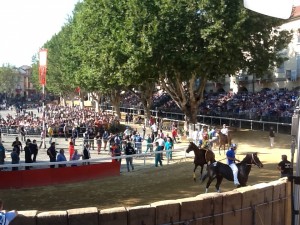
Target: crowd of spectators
267,105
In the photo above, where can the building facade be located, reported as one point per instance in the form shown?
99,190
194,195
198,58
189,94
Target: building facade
287,76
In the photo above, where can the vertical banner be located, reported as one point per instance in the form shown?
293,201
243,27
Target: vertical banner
42,66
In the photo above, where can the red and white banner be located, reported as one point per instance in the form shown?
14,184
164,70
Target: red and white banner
43,65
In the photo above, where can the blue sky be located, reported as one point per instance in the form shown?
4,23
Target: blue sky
27,24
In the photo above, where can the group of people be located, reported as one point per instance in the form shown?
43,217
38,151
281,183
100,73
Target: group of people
284,166
273,105
55,156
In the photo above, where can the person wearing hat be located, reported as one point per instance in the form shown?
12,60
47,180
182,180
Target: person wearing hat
230,154
285,167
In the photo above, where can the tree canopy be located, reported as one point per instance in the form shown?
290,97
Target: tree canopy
113,45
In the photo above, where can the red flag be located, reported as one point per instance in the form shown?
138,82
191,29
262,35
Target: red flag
77,90
43,65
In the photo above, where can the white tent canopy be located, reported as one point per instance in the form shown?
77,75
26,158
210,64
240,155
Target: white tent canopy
275,8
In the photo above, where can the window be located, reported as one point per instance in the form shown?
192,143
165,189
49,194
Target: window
288,74
281,69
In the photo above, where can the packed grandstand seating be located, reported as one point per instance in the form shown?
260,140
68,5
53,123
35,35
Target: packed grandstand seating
270,105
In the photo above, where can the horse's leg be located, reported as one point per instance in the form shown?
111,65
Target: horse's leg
210,179
194,175
219,181
201,171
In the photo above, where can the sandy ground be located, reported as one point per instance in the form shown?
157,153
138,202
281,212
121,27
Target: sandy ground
150,184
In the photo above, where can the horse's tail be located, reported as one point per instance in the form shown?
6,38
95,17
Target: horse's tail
204,177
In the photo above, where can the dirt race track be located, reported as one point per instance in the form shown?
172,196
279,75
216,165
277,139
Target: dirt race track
150,184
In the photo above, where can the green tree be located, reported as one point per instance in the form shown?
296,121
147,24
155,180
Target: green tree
192,42
9,78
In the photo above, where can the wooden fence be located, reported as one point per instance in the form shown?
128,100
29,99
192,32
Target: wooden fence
266,203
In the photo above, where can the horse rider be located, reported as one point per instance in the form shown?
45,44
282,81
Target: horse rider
230,154
204,137
224,130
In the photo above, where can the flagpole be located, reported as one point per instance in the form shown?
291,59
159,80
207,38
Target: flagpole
43,111
42,76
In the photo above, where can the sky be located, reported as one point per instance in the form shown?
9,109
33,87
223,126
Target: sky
25,25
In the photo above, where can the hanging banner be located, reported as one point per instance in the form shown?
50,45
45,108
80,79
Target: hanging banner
43,65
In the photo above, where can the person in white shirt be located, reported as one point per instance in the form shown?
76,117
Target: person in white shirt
154,129
224,130
195,136
161,144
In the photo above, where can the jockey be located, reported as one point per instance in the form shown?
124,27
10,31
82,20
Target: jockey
205,137
230,154
224,130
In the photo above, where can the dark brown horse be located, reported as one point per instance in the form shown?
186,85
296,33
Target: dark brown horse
220,170
202,156
224,140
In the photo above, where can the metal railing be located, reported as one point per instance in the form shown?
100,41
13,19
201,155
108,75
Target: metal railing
282,125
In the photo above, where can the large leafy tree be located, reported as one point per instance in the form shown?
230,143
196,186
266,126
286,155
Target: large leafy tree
118,44
192,42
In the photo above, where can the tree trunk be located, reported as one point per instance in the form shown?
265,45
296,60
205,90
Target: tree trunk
115,99
147,90
97,106
186,93
62,100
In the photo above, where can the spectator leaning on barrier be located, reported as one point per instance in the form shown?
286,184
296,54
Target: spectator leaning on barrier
86,152
34,150
51,152
61,158
6,217
71,149
75,156
15,158
27,151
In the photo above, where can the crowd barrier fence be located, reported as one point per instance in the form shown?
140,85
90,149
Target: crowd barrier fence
282,125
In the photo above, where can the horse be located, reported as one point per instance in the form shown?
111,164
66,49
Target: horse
220,170
224,140
202,156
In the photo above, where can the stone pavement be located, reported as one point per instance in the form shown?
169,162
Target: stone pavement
139,162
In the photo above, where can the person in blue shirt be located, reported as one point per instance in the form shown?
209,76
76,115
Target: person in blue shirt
6,216
168,148
230,154
61,158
